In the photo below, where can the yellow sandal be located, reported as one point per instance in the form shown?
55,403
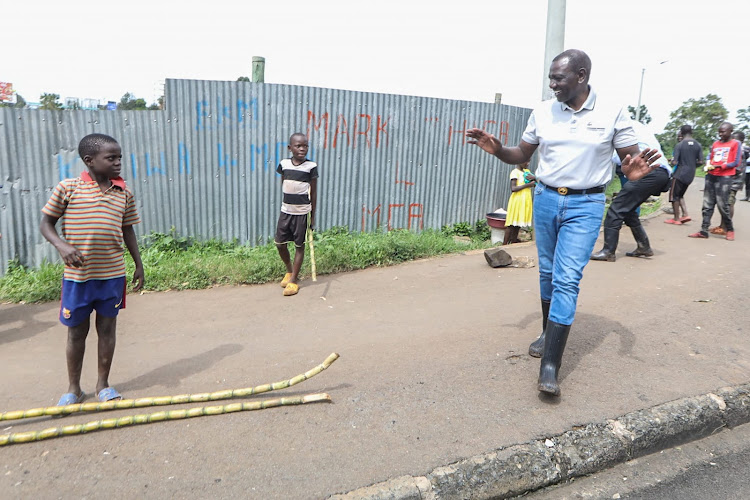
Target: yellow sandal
285,281
291,289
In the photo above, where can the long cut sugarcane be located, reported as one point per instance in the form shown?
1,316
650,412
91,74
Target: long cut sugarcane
161,416
167,400
312,249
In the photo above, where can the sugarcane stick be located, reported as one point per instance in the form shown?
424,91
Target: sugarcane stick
312,253
310,242
167,400
160,416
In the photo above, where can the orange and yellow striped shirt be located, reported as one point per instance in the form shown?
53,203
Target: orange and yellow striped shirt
92,222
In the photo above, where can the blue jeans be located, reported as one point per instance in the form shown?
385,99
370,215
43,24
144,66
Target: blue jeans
566,228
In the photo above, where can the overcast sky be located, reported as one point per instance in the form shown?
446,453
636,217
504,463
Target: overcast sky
456,50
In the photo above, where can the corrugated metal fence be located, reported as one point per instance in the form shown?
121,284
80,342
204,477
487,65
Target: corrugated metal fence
206,165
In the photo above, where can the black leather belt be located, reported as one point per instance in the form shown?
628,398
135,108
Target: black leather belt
566,191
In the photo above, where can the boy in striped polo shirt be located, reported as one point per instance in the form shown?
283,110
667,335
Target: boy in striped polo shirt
299,186
98,212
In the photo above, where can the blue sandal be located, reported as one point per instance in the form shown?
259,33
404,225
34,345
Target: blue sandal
108,394
71,399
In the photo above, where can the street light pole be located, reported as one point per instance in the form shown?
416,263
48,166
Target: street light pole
640,94
555,40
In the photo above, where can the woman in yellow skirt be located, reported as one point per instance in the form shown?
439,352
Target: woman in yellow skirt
520,204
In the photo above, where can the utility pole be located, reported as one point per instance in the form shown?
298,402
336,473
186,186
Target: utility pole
555,41
640,93
259,69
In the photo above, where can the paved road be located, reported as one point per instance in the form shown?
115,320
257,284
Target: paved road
716,467
433,368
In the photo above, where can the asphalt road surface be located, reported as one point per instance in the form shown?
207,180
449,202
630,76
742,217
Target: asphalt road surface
713,468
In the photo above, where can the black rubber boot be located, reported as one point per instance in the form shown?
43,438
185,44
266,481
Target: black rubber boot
611,237
554,346
644,248
536,349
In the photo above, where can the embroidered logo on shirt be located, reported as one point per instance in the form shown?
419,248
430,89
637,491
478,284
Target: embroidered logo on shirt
66,313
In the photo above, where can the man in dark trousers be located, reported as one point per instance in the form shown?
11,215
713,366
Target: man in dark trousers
624,207
688,155
724,157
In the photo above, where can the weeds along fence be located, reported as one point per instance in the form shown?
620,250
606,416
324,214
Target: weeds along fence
206,164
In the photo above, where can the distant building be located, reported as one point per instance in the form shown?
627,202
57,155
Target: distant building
90,104
86,103
72,103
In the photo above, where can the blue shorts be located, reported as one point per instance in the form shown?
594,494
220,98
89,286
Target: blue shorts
79,299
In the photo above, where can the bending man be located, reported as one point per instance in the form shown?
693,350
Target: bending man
624,206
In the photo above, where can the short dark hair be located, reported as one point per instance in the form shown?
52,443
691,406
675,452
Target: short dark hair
296,134
740,135
728,124
686,129
577,59
92,144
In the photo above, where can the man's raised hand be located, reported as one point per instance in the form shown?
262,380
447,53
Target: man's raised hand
637,167
487,142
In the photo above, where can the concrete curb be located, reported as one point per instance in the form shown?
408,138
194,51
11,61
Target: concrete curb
517,469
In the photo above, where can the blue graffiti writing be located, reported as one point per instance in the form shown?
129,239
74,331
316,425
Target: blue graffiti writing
224,160
155,169
220,113
65,168
183,159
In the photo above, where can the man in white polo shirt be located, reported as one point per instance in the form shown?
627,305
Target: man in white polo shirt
576,134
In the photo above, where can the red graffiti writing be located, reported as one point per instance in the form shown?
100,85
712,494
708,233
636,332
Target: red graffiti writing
357,131
399,181
395,211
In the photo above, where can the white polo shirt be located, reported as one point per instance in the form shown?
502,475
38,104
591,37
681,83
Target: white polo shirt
575,147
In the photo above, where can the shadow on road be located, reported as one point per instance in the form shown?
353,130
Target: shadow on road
18,322
171,375
586,335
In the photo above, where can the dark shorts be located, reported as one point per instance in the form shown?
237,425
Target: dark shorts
107,297
291,228
677,191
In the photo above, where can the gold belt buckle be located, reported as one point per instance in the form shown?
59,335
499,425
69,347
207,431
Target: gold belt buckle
563,191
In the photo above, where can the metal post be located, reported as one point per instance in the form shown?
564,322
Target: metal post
259,69
555,41
640,93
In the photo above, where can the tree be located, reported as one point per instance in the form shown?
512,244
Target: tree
50,101
243,79
704,115
129,102
645,118
743,121
159,104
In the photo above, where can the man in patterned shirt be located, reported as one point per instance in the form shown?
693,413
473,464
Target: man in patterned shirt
299,186
98,212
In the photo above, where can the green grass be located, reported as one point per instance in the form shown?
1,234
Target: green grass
172,262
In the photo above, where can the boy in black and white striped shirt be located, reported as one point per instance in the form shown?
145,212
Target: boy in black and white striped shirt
299,181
